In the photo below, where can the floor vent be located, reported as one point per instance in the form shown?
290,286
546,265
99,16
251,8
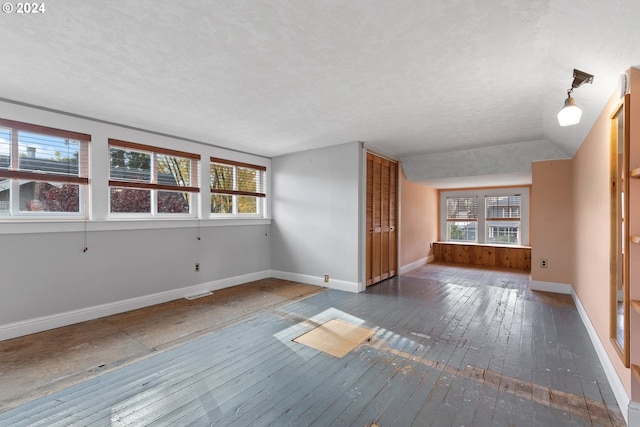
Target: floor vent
199,295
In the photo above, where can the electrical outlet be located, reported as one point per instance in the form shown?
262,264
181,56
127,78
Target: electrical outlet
544,263
326,278
197,267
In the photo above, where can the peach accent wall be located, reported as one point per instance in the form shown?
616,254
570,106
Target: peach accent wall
591,198
552,221
418,220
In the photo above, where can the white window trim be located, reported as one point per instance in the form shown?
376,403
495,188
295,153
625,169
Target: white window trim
261,202
15,214
481,231
153,214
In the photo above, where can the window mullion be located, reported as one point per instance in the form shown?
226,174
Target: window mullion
235,188
154,180
14,196
15,150
154,168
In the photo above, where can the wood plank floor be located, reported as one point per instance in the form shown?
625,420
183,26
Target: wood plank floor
453,346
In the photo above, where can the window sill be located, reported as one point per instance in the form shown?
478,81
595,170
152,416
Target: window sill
17,226
492,245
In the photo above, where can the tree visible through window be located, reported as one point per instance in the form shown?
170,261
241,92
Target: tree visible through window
236,188
42,170
145,179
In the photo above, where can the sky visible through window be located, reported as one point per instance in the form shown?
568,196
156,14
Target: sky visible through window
39,146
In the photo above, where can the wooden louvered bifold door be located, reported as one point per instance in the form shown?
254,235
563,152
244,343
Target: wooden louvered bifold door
382,194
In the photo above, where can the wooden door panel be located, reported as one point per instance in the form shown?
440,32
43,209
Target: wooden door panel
381,218
376,268
393,250
368,273
384,254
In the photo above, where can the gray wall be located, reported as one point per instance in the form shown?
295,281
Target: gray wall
45,274
47,280
316,217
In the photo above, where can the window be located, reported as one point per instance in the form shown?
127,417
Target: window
151,180
237,188
43,171
496,216
503,219
462,219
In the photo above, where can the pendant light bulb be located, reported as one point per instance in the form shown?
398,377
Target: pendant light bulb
570,113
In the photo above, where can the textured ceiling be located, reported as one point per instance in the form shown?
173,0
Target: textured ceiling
407,77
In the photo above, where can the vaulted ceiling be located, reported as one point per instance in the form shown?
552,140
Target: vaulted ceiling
422,81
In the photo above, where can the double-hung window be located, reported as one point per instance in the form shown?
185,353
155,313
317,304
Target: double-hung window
44,172
462,219
151,180
494,216
237,189
502,219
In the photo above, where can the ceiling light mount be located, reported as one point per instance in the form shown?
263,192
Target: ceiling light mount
580,78
570,113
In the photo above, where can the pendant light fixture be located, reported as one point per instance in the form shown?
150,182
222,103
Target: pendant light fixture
570,113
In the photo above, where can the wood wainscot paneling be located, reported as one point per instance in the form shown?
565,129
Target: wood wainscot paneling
518,257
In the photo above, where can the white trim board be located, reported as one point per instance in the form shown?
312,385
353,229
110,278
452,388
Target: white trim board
39,324
558,288
341,285
415,264
634,414
610,371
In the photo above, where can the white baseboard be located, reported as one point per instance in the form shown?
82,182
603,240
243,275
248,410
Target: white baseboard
57,320
634,414
610,371
340,285
413,265
558,288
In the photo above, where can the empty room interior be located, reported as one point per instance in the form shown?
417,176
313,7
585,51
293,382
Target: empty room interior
320,213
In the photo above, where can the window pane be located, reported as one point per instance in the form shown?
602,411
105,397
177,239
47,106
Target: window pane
173,202
130,200
221,204
503,206
249,180
462,207
129,165
221,177
461,231
506,232
247,204
5,191
174,170
48,153
37,196
5,147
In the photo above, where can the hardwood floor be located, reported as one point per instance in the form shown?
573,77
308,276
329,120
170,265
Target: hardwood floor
452,346
38,364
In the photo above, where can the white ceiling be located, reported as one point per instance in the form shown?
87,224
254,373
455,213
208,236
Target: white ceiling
407,77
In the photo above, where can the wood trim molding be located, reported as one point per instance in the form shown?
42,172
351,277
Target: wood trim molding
153,149
237,193
151,186
43,176
28,127
234,163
